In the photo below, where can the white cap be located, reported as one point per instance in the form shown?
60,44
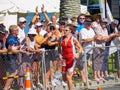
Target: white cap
115,21
32,31
38,24
22,19
105,20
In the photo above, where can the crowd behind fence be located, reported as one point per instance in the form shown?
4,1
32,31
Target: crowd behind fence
27,59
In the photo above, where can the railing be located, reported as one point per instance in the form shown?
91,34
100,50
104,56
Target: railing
89,84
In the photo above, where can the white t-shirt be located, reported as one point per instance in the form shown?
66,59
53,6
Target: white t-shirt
43,32
85,34
21,34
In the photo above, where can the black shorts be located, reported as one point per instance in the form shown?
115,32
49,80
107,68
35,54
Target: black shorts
37,57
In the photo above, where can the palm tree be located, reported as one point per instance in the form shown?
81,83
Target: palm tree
69,8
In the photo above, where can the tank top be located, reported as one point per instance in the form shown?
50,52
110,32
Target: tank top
68,50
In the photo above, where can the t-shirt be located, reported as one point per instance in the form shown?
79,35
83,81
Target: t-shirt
38,39
85,34
21,34
12,40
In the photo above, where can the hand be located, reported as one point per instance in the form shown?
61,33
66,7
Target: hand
49,34
117,34
39,51
76,55
22,51
42,8
36,10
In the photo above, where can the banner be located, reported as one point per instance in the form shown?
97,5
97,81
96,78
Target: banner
109,14
105,10
102,8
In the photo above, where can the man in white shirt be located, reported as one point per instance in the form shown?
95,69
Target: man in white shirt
21,25
87,36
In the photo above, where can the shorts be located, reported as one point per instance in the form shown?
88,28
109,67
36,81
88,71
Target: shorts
37,57
81,61
68,65
52,54
11,64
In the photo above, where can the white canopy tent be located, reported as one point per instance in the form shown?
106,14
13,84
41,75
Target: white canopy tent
9,9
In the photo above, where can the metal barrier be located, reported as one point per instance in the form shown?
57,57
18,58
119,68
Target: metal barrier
89,84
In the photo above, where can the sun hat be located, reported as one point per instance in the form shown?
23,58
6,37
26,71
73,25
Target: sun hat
115,21
22,19
38,24
32,31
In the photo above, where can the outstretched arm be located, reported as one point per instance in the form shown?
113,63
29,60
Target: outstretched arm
47,20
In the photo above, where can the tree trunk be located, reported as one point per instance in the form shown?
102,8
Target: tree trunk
69,8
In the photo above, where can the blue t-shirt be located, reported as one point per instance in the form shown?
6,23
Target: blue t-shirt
12,40
80,26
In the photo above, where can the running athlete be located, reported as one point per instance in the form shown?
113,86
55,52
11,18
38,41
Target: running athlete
68,54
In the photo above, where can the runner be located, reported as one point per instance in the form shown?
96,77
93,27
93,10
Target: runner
68,55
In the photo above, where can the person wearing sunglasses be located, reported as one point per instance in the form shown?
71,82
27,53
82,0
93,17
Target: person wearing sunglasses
68,55
21,25
80,21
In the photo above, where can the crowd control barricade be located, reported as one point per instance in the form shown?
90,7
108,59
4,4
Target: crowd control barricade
90,82
113,67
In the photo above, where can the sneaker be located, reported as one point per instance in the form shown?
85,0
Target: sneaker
97,79
57,81
53,83
109,77
58,75
39,84
64,83
33,86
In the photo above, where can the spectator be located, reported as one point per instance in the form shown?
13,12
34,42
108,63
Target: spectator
80,21
87,40
21,31
98,50
12,44
3,57
112,29
36,18
74,31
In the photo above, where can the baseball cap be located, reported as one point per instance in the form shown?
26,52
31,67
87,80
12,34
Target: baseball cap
22,19
88,20
38,24
32,31
104,20
115,21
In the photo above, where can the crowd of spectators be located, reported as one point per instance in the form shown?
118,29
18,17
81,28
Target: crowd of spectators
66,44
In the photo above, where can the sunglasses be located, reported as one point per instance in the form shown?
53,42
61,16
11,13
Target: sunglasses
66,30
52,28
82,18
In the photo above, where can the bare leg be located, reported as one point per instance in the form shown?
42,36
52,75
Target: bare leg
69,79
9,81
